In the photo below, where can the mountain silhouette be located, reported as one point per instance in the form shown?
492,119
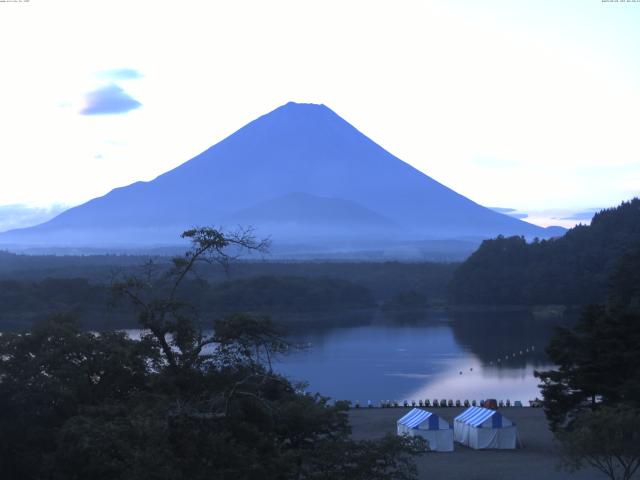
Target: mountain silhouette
300,164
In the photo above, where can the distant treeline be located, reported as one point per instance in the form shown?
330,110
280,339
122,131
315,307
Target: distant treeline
23,302
573,269
261,288
383,279
288,294
93,267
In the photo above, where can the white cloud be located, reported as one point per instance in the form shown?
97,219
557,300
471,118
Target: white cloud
20,216
110,99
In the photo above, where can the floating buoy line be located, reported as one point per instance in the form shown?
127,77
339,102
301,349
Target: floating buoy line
441,403
446,403
498,361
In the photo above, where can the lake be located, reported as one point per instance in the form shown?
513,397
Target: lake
419,356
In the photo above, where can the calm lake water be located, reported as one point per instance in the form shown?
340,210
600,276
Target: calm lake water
470,356
417,355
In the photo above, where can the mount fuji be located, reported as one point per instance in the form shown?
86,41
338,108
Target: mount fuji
300,174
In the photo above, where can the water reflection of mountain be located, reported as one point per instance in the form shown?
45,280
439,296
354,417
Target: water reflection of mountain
511,339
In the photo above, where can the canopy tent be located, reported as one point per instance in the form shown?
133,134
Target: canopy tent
429,426
481,428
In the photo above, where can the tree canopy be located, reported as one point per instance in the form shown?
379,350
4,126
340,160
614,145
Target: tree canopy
178,403
592,397
573,269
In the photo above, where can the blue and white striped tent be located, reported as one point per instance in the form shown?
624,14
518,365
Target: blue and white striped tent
481,428
429,426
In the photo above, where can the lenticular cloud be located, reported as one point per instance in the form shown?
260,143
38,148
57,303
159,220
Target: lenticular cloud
109,100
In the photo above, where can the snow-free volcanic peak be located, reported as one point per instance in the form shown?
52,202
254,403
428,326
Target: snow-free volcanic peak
297,148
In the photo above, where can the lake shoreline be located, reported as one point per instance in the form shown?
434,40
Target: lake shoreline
434,314
314,319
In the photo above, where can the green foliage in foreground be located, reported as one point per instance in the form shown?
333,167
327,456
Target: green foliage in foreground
598,364
592,399
607,439
77,405
176,404
598,360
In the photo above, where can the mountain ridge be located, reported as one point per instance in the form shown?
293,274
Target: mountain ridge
304,148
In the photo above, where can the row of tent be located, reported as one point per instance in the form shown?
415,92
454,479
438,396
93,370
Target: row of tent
476,427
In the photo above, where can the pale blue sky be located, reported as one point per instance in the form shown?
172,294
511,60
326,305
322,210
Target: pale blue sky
531,105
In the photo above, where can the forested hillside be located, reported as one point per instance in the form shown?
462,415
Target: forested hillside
34,287
384,279
22,303
573,269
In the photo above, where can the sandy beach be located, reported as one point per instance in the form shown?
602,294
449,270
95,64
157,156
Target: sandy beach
538,459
